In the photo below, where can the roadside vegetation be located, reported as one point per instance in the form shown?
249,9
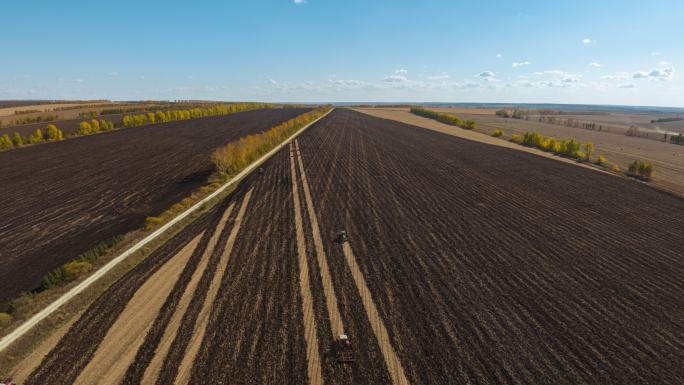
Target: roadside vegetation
641,170
449,119
570,148
24,305
235,156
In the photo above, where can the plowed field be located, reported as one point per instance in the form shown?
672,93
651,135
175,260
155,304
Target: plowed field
466,263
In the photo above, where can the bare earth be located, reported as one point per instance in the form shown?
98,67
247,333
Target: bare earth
668,159
119,347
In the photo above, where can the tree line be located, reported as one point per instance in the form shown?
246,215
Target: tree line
197,112
449,119
236,155
51,134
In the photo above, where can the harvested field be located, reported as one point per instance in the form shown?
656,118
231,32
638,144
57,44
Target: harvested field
467,263
63,198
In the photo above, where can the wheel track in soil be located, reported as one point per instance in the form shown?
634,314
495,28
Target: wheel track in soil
312,350
156,346
260,340
199,330
586,356
336,324
392,362
118,348
76,348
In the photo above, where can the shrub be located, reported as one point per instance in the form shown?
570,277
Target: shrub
601,160
497,133
152,222
17,139
5,319
640,169
5,142
588,149
616,168
75,269
37,137
53,133
516,138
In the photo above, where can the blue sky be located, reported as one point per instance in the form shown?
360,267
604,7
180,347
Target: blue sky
607,52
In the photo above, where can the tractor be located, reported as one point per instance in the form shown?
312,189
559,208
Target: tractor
341,237
343,349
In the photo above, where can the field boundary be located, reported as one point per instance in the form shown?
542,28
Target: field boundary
22,329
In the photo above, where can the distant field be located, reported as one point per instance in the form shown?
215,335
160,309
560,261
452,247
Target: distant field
62,198
620,149
11,111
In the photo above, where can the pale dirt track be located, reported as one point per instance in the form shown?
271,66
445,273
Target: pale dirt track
336,324
23,370
394,367
310,335
118,349
199,331
152,371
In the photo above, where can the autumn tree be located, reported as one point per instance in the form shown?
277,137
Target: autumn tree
588,149
54,133
36,137
17,139
6,142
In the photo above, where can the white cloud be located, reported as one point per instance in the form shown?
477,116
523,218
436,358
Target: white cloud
520,64
395,79
399,76
655,53
595,65
586,40
300,2
113,73
485,74
77,80
664,63
616,76
442,76
499,56
656,74
627,86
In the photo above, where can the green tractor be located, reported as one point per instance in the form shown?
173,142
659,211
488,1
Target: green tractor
341,237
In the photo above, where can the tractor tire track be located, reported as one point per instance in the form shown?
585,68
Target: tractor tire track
156,348
117,350
336,324
312,344
199,330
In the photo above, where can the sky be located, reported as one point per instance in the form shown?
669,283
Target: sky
593,52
